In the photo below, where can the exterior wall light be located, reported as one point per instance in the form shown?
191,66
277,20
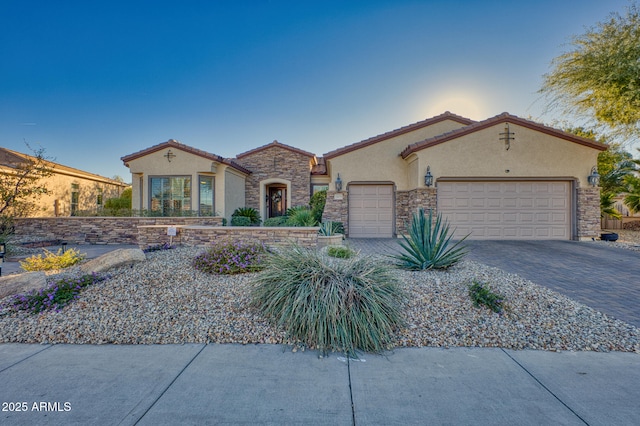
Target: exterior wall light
428,178
3,250
338,183
594,177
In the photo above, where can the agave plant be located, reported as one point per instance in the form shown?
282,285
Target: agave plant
429,244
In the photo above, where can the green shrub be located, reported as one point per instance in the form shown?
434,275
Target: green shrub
340,252
300,216
231,257
346,306
49,261
483,296
428,244
276,221
240,221
248,212
317,203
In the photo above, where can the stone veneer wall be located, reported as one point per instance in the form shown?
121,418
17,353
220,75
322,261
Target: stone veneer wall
336,208
277,163
99,230
202,236
588,212
408,202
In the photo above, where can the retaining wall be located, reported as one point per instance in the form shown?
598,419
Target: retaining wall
150,231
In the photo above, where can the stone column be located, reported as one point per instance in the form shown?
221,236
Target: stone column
335,209
588,213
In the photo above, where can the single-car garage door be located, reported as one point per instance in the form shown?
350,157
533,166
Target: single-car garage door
507,210
370,211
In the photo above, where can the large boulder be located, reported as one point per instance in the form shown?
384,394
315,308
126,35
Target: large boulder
113,259
22,283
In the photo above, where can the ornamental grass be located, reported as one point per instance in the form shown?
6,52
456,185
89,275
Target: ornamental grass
328,304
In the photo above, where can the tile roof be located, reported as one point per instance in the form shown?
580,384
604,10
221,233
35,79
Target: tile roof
402,130
501,118
320,167
172,143
275,144
11,158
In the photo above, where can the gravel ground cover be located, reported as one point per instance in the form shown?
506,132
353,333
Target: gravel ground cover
165,300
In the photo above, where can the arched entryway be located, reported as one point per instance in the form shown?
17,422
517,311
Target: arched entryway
275,198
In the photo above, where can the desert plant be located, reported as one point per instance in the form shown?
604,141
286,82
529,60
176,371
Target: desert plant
276,221
300,216
241,221
55,296
231,257
249,212
317,203
330,228
340,252
483,296
50,261
429,244
328,305
159,247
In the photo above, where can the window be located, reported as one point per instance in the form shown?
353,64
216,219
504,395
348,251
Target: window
170,195
317,187
99,198
75,198
206,196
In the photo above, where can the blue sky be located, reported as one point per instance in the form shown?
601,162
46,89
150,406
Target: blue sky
92,81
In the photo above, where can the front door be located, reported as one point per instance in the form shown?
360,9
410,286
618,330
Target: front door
277,203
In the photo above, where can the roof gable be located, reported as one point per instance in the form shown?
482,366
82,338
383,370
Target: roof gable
172,143
397,132
273,145
499,119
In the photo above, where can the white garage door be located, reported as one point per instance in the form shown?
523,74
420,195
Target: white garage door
370,211
507,210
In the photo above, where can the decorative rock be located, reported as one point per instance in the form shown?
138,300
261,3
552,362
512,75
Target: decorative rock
22,283
114,259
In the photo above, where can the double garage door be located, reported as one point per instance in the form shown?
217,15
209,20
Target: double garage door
507,210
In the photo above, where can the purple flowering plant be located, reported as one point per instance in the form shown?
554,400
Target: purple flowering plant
231,257
53,297
159,247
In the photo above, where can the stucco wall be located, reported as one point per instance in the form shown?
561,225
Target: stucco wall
59,187
381,161
234,193
483,154
182,163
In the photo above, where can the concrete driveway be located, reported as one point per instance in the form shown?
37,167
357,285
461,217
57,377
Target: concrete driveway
597,274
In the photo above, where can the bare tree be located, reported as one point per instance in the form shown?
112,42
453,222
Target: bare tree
22,182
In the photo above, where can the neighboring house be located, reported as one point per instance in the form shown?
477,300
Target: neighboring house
501,178
69,190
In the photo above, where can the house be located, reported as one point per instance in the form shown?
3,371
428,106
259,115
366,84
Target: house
501,178
70,190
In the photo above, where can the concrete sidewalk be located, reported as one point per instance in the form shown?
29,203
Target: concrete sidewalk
269,384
